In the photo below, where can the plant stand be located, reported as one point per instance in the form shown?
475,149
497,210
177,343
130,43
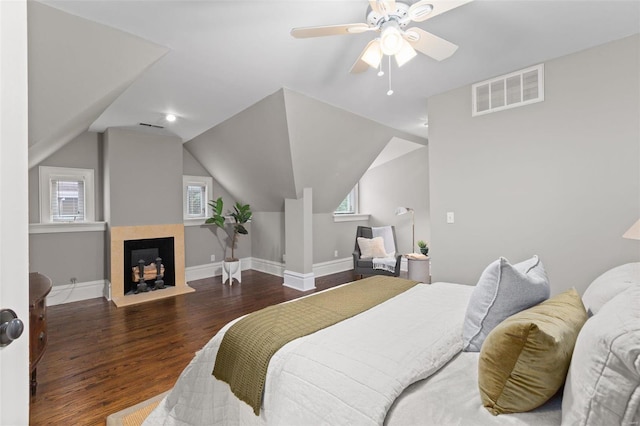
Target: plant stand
231,270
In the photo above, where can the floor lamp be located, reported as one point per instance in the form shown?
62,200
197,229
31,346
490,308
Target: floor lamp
403,210
633,233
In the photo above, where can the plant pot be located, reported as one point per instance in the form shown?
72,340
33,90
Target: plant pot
230,270
424,250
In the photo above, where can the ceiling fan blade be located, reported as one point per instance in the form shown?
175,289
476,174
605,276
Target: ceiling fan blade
370,57
327,30
421,10
429,44
383,7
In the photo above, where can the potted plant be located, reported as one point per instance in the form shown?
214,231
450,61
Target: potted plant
241,214
424,249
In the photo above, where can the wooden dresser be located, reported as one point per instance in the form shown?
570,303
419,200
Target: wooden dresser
39,287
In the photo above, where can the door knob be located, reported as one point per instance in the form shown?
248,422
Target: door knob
11,327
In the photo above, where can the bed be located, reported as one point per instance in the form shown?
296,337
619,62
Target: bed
407,361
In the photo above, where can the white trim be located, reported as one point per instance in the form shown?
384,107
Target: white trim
52,228
68,293
200,272
46,173
333,266
196,222
300,282
268,266
347,217
213,269
207,181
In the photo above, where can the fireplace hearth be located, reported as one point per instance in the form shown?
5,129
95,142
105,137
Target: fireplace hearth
146,243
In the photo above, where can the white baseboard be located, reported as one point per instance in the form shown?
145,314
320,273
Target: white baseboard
268,266
297,281
214,269
333,266
200,272
68,293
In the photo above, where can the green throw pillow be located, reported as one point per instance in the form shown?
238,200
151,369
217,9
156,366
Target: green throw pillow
525,359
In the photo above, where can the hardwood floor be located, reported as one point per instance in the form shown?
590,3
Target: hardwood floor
102,359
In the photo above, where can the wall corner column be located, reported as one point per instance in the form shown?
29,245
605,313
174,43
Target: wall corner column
298,218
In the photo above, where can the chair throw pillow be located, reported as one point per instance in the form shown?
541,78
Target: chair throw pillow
371,247
502,290
603,384
524,360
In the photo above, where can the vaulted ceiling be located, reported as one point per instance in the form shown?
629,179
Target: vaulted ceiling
225,55
220,66
287,142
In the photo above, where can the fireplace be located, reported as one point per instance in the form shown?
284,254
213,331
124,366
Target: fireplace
129,244
156,257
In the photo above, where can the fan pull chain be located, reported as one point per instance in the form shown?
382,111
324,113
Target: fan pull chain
390,91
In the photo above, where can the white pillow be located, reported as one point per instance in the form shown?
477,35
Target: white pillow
603,384
371,247
609,284
503,290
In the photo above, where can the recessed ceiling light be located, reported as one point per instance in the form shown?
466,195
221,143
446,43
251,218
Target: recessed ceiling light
170,118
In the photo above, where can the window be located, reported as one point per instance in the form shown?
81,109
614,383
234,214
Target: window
66,195
350,204
196,192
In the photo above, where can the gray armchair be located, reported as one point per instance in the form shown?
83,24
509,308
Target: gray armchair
365,266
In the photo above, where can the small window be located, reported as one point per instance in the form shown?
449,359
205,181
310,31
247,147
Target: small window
66,195
196,192
350,204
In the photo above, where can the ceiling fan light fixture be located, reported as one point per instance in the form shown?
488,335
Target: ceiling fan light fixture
405,54
373,54
391,39
419,11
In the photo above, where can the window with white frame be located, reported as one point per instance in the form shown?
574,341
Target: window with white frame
66,195
196,191
350,204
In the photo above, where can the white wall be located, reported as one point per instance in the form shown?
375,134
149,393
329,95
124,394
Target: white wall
560,178
403,182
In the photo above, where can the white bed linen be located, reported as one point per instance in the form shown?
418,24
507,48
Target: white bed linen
350,373
451,398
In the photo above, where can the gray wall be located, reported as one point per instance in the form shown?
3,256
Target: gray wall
202,241
401,182
66,255
63,256
145,178
267,236
84,152
560,178
329,236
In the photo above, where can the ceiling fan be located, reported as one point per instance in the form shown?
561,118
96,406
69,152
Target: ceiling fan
390,18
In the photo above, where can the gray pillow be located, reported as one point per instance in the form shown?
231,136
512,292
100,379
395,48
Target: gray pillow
503,290
603,384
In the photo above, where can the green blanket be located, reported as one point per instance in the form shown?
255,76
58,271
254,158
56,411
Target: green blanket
249,344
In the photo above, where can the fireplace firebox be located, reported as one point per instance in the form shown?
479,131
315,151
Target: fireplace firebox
152,259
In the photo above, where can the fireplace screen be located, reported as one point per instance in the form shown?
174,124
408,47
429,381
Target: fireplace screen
149,264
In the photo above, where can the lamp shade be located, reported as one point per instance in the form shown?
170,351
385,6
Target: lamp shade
403,210
633,233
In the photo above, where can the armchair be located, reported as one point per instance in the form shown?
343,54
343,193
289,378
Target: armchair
365,266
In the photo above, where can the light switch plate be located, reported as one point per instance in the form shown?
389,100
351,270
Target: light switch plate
450,217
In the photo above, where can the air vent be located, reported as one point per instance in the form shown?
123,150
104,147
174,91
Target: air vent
152,125
508,91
